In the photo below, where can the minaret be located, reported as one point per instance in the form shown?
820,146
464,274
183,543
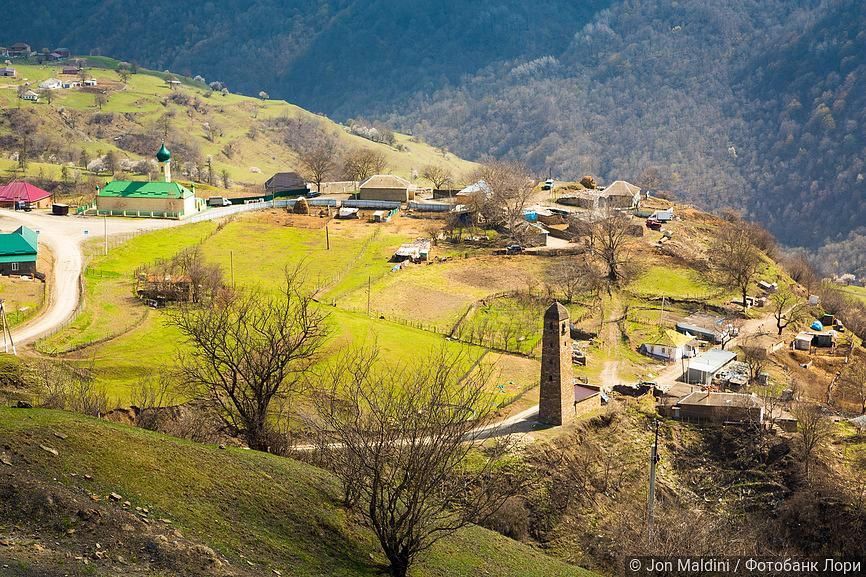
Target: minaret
556,404
163,156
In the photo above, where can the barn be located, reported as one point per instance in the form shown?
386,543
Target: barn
387,187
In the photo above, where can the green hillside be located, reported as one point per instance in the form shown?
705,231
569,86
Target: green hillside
262,514
248,137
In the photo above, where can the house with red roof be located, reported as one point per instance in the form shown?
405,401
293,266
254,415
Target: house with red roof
23,195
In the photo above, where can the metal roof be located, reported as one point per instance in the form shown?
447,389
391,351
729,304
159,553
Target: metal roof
138,189
19,246
712,360
20,190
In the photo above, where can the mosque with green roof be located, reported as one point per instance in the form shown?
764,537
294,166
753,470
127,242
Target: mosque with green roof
166,199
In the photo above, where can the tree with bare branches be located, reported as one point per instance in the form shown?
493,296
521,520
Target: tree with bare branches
362,163
854,381
610,243
439,176
509,187
319,159
249,348
787,308
403,442
813,431
571,277
737,259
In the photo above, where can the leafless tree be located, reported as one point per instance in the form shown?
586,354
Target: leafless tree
813,430
206,279
510,187
399,439
361,163
610,244
755,356
318,159
787,308
573,276
733,327
225,177
737,259
439,176
854,381
100,99
249,348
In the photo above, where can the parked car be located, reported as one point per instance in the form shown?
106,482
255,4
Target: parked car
653,224
514,249
548,184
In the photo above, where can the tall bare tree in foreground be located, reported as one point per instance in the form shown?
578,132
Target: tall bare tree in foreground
509,187
248,349
609,243
813,430
737,259
401,441
319,158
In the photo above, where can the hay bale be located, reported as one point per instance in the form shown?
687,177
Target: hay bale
301,207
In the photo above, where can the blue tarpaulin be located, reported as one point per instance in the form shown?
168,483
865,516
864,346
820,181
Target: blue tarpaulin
817,326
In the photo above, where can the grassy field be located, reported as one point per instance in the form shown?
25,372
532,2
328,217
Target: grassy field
260,511
25,298
674,282
139,103
133,342
858,292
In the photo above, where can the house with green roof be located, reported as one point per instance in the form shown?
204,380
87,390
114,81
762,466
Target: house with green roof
669,345
148,199
18,252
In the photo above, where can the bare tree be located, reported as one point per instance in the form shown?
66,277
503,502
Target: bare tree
362,163
732,330
786,308
248,349
573,276
225,177
610,244
854,381
319,159
439,176
100,99
737,259
755,356
509,187
813,430
398,440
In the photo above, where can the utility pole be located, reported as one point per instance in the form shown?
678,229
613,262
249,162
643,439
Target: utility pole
7,331
327,236
369,283
105,232
232,266
651,496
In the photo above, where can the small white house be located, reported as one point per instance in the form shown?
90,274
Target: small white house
90,82
50,84
669,345
31,96
666,215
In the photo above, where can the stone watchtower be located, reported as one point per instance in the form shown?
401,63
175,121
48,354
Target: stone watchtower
557,382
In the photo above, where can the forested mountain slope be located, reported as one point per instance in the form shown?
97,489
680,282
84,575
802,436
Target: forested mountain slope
753,104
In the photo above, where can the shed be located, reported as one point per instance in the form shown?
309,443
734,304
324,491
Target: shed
703,367
8,71
824,339
586,398
20,194
31,96
665,215
386,187
803,342
713,407
414,251
18,251
286,184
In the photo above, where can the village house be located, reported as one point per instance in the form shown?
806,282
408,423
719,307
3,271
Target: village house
50,84
286,184
719,408
706,328
703,368
387,187
71,70
8,72
19,49
18,252
23,195
668,345
586,398
30,96
415,251
620,195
